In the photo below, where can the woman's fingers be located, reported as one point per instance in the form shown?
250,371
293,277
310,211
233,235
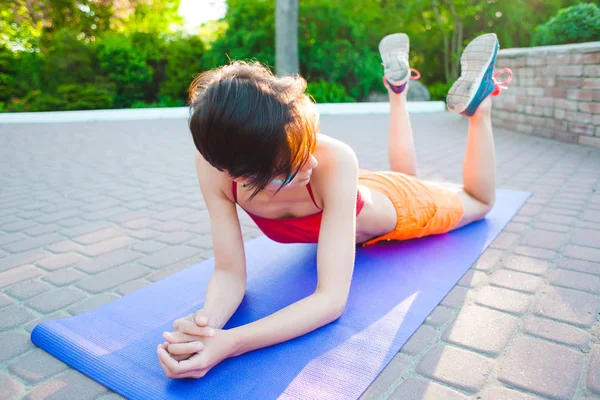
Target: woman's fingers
185,348
191,328
180,337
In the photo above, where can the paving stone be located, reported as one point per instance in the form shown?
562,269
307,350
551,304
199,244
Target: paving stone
556,331
531,210
13,316
529,265
456,367
54,217
100,235
171,226
49,317
548,226
111,396
144,234
535,252
168,256
107,246
92,303
481,329
129,215
592,379
516,280
42,229
557,218
17,260
33,243
27,289
148,246
575,280
586,237
17,226
64,246
64,277
567,305
504,300
70,385
36,366
131,286
173,268
440,316
544,239
419,341
582,253
71,222
504,241
175,237
108,260
580,265
502,393
58,261
531,365
15,275
5,301
111,278
84,228
104,214
473,278
11,388
140,223
591,215
12,344
10,238
516,227
420,389
398,366
54,300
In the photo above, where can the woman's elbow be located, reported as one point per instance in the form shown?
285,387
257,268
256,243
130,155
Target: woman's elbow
336,309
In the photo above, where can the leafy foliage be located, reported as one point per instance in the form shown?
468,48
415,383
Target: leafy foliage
579,23
85,54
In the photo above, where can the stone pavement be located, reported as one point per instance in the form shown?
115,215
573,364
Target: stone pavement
92,211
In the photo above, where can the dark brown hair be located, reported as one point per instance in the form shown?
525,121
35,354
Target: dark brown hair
252,124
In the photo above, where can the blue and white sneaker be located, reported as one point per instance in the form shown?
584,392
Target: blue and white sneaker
477,80
394,54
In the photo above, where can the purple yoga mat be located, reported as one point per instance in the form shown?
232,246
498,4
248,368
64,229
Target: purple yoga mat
395,287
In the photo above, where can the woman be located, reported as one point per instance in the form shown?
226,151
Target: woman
259,147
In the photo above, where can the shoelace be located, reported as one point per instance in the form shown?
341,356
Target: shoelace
502,85
414,77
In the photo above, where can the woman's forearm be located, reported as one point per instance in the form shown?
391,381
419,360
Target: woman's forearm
223,296
288,323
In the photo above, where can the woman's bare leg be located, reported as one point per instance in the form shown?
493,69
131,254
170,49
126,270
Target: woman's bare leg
479,167
401,145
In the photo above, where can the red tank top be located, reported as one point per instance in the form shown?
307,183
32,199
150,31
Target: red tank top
294,230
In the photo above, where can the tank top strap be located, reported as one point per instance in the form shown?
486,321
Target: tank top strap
234,190
312,196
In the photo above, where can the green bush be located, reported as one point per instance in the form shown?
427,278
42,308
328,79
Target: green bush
126,67
439,90
184,61
328,92
576,24
85,97
162,102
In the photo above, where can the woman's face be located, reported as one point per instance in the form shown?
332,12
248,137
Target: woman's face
301,179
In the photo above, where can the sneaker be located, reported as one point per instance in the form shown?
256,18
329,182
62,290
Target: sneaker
477,79
394,53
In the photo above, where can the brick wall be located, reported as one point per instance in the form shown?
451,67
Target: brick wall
555,92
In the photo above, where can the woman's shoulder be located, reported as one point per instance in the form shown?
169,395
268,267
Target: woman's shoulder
331,150
211,179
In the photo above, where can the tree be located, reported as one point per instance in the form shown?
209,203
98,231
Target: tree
286,37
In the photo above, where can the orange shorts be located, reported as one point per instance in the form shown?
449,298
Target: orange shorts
423,209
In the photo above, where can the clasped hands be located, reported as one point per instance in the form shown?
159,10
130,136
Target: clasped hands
194,347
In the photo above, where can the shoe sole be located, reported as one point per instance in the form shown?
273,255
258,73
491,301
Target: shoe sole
474,63
389,48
